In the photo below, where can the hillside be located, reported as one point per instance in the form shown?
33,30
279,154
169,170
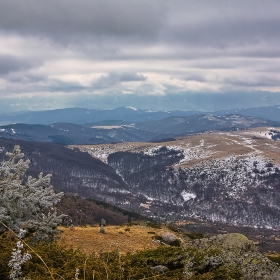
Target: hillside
175,126
152,130
229,177
267,112
67,133
72,171
247,172
86,212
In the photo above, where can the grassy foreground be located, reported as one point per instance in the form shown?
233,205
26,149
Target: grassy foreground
129,252
125,239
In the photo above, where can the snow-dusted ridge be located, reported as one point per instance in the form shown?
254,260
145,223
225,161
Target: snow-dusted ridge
132,108
230,177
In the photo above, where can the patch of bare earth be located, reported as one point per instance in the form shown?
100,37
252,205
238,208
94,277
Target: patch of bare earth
126,239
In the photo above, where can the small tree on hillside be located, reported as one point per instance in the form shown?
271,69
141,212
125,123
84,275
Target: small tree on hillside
27,203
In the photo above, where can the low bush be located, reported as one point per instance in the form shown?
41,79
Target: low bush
174,228
154,225
194,235
63,262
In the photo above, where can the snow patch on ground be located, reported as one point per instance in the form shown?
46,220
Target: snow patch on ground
147,206
103,151
152,151
196,152
151,111
132,108
188,196
155,150
235,174
266,133
123,191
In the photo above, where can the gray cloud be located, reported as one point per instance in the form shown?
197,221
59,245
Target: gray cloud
161,54
259,82
226,34
114,78
66,19
195,77
221,25
10,64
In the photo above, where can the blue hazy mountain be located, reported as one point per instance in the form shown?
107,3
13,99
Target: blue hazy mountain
83,116
122,114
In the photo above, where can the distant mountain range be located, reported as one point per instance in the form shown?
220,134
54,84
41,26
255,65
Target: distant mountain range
83,116
122,114
155,130
266,112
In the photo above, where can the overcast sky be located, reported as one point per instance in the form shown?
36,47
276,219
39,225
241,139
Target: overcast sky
151,54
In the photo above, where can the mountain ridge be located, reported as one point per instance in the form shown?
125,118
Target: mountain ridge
156,130
131,114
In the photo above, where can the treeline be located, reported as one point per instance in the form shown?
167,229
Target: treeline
235,191
72,171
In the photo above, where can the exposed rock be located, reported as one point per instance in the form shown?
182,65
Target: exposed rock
159,269
235,250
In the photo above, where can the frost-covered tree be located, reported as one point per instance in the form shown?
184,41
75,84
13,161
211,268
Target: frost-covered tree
27,203
102,222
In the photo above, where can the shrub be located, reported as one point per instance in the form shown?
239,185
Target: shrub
194,235
102,229
154,225
27,204
63,262
173,228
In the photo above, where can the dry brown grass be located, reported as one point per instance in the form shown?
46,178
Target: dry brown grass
123,147
276,255
124,238
216,145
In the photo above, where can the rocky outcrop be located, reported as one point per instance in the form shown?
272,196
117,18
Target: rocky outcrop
234,251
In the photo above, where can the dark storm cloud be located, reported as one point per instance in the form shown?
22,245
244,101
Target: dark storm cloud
227,21
70,18
226,33
10,64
